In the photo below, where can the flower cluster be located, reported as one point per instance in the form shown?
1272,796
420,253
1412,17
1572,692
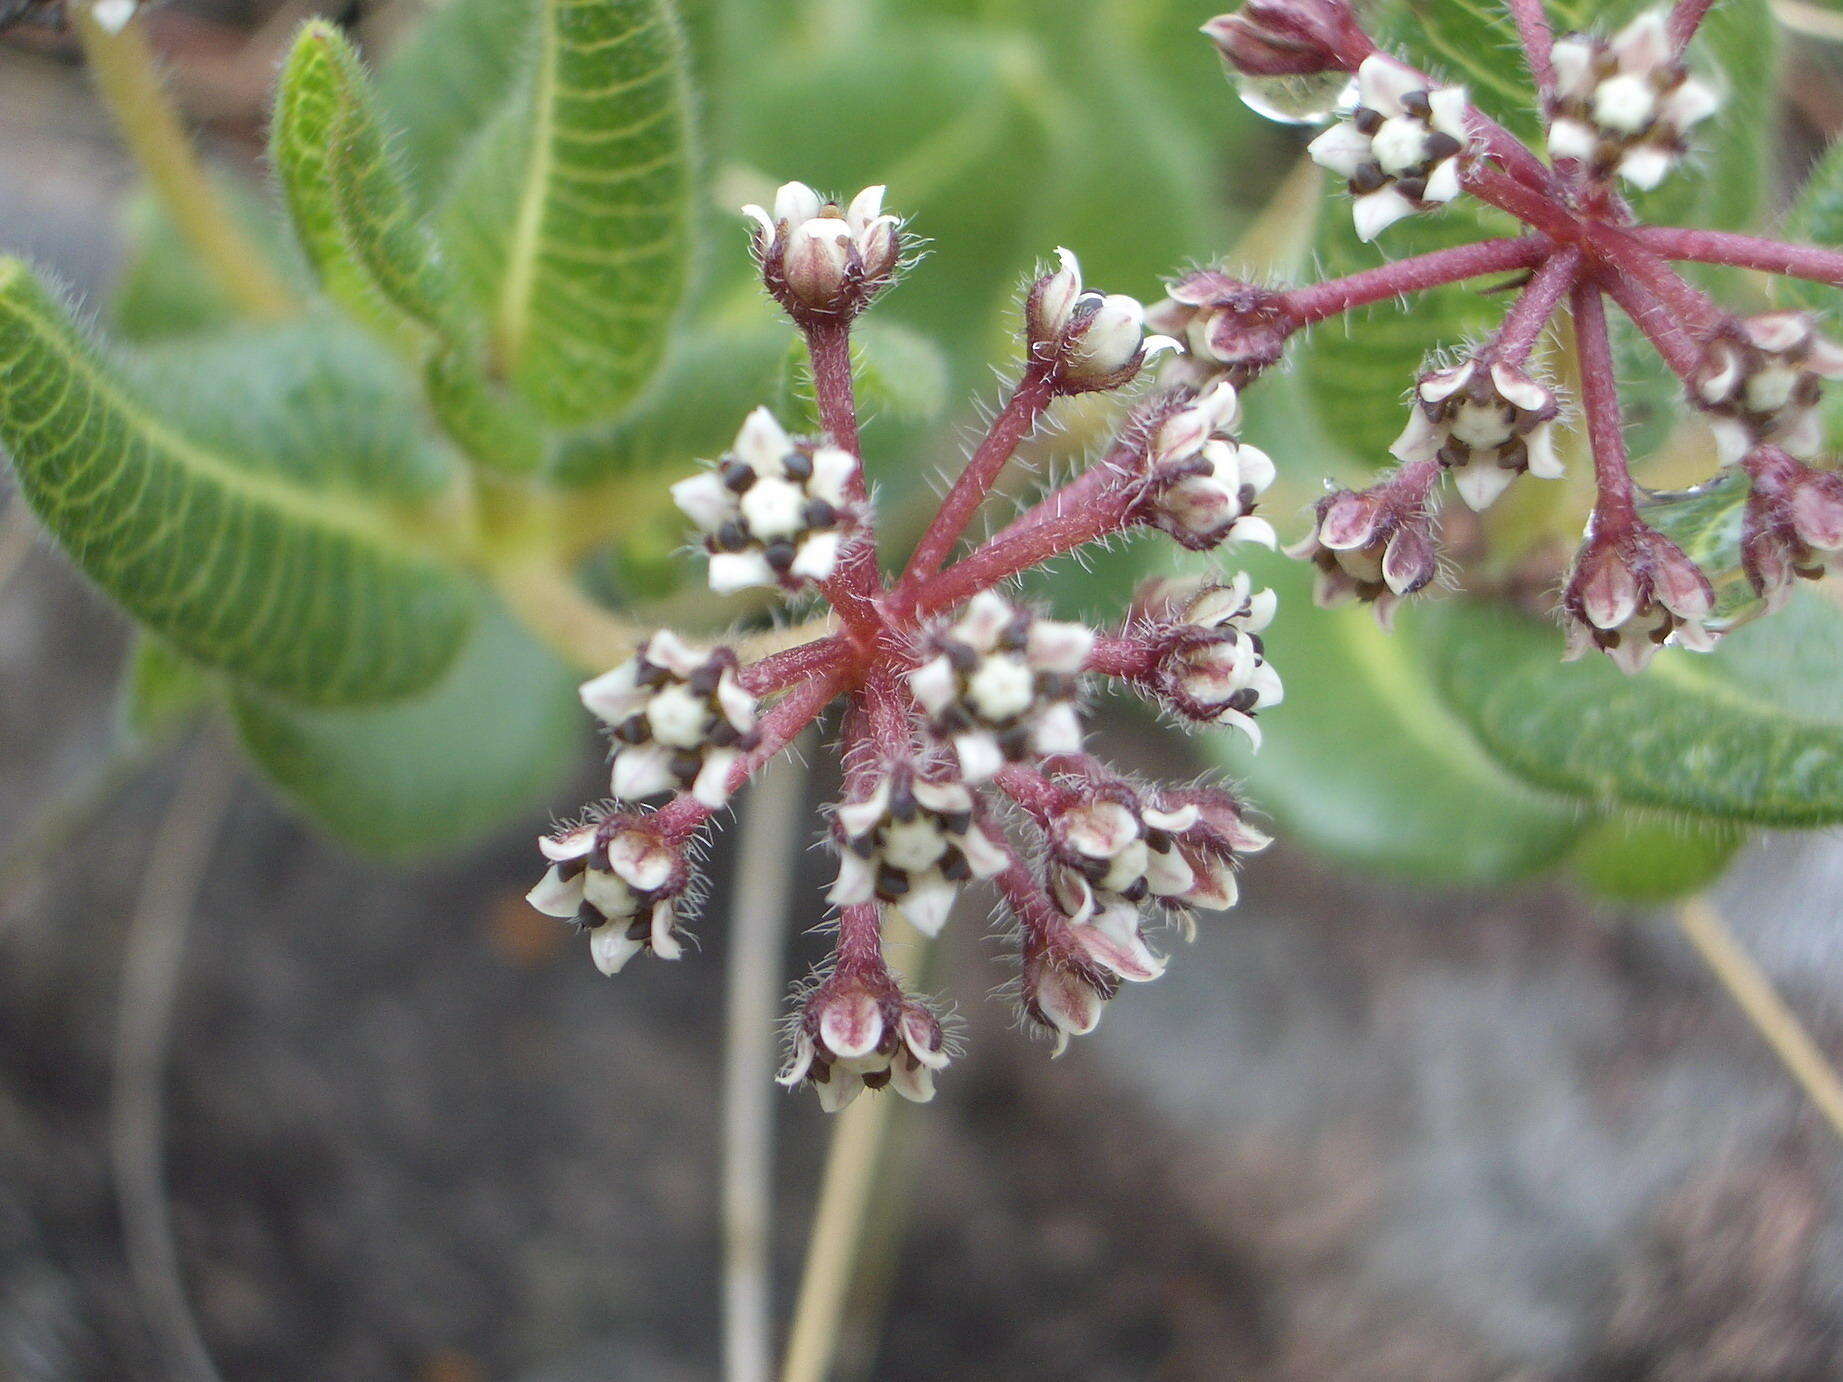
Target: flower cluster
1619,107
961,727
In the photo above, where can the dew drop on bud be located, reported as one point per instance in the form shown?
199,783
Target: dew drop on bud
1706,523
1311,99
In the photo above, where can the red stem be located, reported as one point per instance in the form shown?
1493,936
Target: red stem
1686,18
1600,398
1536,209
860,940
1034,792
853,589
1008,431
1631,259
1523,324
1665,333
1318,301
782,669
1538,39
1069,527
1744,252
1131,659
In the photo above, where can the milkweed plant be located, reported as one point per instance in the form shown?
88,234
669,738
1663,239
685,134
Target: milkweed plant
364,491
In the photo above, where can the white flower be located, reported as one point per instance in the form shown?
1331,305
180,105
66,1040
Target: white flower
112,16
910,844
1762,381
822,256
620,880
1402,148
681,720
861,1033
1373,545
1212,665
1097,340
773,511
1487,424
1201,483
1631,594
1625,105
1001,684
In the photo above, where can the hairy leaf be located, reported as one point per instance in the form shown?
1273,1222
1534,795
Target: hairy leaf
1751,733
1627,859
1817,217
570,223
435,771
1362,762
351,208
164,292
242,563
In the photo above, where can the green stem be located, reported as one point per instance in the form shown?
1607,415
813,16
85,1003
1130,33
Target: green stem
129,83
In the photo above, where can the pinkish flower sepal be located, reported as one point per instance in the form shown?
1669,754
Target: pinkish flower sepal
620,878
1793,526
1375,545
1088,340
1283,38
1207,662
857,1030
820,260
1231,329
1632,591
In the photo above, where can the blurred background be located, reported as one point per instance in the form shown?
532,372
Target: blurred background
1374,1124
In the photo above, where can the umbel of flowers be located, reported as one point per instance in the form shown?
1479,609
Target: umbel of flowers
1619,109
959,706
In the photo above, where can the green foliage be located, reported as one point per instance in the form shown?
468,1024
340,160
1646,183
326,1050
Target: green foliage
1752,733
351,207
1364,762
1817,217
569,222
1629,859
161,692
433,772
241,561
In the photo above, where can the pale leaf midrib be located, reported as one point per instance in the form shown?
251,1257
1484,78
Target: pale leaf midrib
514,315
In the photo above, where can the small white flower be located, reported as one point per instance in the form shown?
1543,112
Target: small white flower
1201,483
819,256
1762,379
1000,684
620,880
862,1033
1375,545
1487,424
1625,105
681,720
773,511
1630,595
1213,666
1097,340
910,844
1402,148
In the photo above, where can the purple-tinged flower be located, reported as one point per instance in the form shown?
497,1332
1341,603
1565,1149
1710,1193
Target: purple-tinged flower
1486,423
1209,664
1201,483
820,259
1625,105
1231,329
1279,38
1000,684
1093,340
910,844
1375,545
1207,830
1402,148
1793,525
620,879
1760,382
857,1031
773,511
680,716
1632,591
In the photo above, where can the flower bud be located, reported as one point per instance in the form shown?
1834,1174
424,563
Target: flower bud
1231,330
1631,591
1761,381
1206,831
1375,545
858,1031
1201,485
773,511
1278,38
1793,525
910,844
821,260
1486,423
1000,684
1625,105
1093,340
681,720
619,879
1211,665
1402,148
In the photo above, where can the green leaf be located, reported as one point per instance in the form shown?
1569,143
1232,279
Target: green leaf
351,208
1627,859
1816,218
164,292
1751,733
241,564
495,428
1362,763
161,692
434,772
570,223
449,78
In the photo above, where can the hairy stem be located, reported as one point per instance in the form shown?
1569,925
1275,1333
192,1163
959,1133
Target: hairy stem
1600,400
853,589
1524,323
1318,301
152,956
1762,1006
1535,208
1744,252
1009,429
1538,39
1685,19
758,930
127,80
1663,330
